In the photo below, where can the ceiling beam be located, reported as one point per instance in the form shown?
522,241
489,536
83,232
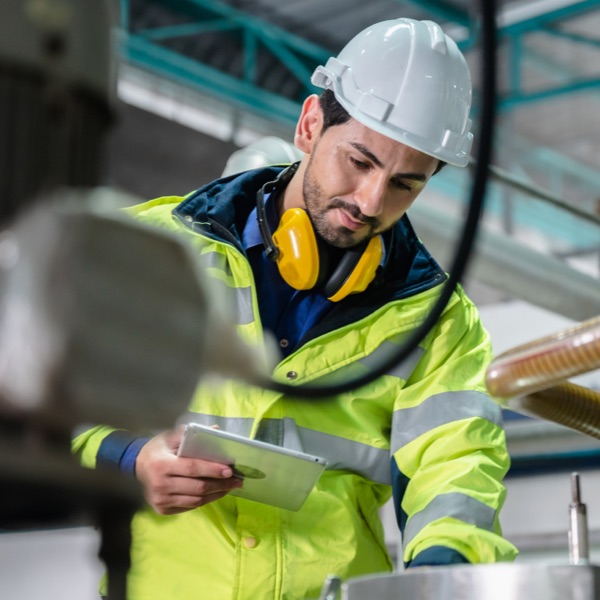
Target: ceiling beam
175,67
506,265
444,10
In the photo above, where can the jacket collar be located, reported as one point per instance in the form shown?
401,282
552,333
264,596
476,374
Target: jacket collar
227,201
221,208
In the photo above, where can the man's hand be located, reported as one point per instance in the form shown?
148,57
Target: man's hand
174,484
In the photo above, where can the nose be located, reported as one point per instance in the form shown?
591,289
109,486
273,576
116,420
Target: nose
370,195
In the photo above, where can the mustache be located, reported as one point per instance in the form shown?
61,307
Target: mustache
354,212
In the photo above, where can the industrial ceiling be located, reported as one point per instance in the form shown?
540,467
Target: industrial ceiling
250,61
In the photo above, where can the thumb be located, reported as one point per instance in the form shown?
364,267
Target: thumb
173,438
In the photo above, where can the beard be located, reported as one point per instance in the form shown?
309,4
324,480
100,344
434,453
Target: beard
317,210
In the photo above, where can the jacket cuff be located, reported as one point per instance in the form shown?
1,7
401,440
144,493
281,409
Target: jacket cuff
119,450
127,462
436,555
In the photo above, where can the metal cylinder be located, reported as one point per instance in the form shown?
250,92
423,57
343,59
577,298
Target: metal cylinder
501,581
579,548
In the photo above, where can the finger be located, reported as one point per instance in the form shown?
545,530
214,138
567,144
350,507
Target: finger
198,487
196,467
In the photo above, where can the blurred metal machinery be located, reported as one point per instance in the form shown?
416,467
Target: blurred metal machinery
56,96
102,320
54,114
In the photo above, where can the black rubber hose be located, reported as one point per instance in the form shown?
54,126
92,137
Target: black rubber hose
469,233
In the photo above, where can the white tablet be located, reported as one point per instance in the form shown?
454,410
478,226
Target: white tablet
272,474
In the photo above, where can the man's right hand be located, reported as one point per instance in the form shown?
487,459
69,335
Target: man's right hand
175,484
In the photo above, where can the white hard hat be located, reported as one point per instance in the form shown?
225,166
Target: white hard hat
407,80
264,152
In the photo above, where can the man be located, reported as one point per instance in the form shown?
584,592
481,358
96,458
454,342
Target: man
394,111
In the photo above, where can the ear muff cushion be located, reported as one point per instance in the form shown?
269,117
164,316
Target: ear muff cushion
344,268
302,265
298,260
356,270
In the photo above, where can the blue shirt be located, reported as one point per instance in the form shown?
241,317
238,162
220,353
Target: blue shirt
285,312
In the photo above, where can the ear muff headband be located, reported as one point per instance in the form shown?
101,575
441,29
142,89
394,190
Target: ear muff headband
280,182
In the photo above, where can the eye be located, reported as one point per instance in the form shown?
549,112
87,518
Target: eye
401,185
359,164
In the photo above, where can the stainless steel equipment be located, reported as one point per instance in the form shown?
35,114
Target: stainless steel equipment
500,581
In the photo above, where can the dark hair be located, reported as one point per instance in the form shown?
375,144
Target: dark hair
335,114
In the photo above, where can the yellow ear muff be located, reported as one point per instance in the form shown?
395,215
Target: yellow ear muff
364,271
299,261
298,258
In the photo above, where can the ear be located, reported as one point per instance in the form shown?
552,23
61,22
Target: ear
309,124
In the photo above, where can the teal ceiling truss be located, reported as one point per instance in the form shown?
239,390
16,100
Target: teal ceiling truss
548,23
254,37
148,48
248,51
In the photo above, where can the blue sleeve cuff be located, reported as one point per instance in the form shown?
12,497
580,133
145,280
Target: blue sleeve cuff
436,555
127,463
119,450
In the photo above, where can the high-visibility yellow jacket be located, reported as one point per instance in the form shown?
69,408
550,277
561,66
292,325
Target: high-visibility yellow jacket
427,430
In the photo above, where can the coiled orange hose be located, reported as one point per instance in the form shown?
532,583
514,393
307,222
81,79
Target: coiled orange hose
531,378
546,362
567,403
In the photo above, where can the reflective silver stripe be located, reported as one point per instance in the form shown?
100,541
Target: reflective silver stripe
244,305
348,455
240,299
342,454
455,505
237,425
409,423
272,432
215,260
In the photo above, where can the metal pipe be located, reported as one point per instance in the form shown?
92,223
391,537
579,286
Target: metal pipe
534,191
507,265
579,551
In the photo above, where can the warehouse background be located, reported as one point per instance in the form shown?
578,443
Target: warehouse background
198,79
